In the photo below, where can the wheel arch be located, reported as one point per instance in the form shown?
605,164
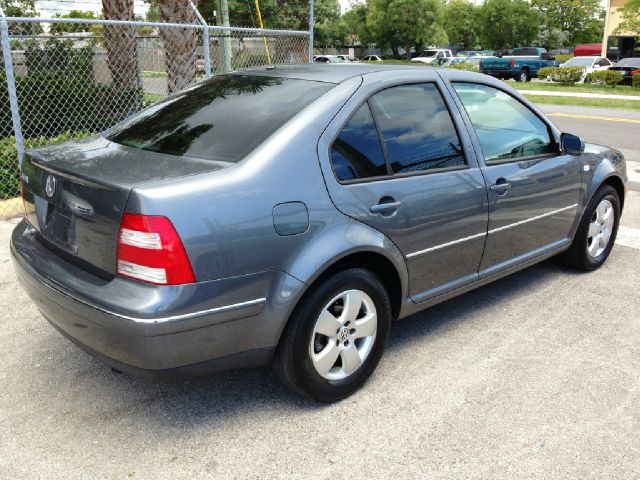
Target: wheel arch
616,182
328,254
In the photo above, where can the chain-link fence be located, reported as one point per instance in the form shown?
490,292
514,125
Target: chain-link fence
70,79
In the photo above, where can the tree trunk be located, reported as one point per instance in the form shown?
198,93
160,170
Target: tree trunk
120,42
180,44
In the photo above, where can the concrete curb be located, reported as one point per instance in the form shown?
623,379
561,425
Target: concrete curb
581,95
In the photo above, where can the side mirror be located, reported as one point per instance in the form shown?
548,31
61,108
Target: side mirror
571,144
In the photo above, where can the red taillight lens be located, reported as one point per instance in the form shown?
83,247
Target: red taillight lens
150,250
513,61
636,72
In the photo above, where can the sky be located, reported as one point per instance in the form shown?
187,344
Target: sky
48,8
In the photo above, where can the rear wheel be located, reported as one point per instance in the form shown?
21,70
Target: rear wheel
597,231
336,336
523,76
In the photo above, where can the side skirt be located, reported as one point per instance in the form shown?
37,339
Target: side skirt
409,307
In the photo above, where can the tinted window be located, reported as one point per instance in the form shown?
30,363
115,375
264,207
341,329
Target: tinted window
221,119
505,127
525,52
357,152
417,129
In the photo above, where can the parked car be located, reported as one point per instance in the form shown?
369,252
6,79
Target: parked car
469,53
589,64
345,58
523,64
328,59
372,58
628,67
430,56
193,237
587,50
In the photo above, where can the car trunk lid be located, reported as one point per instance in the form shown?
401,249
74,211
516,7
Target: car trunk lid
75,194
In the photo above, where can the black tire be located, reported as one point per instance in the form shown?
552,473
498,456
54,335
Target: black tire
292,361
523,76
578,255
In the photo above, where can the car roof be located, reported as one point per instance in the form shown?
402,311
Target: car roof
335,73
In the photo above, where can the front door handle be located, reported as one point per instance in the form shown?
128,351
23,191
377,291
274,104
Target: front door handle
501,186
385,207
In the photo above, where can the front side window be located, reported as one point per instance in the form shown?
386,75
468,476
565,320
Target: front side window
357,152
416,128
506,129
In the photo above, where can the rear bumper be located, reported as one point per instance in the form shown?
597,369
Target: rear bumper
150,330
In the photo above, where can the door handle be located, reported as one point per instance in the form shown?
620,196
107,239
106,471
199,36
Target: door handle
385,207
501,186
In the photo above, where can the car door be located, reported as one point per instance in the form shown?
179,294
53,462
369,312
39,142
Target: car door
397,158
533,188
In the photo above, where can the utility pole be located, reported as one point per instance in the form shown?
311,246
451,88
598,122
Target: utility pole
227,53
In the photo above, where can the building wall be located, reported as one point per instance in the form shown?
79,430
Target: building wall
612,21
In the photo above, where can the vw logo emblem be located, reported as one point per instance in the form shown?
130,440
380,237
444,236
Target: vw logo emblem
50,186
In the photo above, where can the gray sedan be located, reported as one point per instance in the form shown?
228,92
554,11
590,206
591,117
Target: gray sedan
288,215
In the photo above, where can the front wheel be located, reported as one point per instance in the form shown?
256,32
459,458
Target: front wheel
597,231
336,336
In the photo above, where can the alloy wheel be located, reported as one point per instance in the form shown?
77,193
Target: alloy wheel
600,228
344,335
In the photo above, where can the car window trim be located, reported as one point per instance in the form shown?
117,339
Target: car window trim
550,129
392,175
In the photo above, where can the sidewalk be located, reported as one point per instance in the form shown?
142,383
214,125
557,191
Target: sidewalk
580,94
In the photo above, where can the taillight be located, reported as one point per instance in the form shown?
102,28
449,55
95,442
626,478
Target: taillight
150,250
635,72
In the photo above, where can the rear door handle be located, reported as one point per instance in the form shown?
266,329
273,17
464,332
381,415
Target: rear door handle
385,207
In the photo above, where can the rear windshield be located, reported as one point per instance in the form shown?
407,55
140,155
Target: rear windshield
222,119
579,62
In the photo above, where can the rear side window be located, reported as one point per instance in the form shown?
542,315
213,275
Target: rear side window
221,119
417,129
357,152
507,130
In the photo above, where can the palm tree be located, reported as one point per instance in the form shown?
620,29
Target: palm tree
180,44
120,42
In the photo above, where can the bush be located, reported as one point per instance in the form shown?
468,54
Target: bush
545,72
605,77
563,75
563,57
9,171
58,94
635,80
471,67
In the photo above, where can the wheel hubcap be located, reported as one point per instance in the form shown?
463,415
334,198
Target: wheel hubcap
600,228
343,335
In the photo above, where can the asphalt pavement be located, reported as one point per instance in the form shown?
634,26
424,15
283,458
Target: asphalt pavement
534,376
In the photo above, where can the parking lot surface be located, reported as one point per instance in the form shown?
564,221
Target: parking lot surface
534,376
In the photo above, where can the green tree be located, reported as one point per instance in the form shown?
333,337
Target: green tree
460,23
569,16
630,23
21,8
405,23
507,23
593,30
355,20
60,28
330,29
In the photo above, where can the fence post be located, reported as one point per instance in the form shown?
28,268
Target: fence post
310,31
11,86
206,53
